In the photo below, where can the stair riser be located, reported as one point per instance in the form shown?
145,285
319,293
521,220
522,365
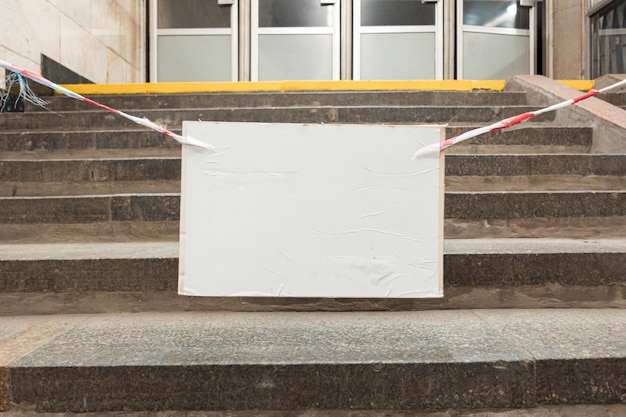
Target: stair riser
90,209
166,207
51,141
169,168
534,205
288,99
522,297
175,118
289,387
617,99
85,170
161,274
520,165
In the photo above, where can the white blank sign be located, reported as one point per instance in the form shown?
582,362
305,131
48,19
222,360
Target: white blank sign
293,210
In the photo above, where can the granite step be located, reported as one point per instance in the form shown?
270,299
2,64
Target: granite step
428,360
93,232
146,186
484,183
50,141
132,276
533,136
90,170
286,99
314,114
520,183
591,227
459,205
30,170
616,99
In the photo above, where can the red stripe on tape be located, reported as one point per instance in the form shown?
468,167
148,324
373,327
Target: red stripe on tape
511,121
588,94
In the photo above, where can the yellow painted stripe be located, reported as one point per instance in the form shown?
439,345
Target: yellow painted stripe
278,86
582,85
235,87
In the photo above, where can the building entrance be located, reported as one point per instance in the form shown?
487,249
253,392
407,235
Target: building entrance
264,40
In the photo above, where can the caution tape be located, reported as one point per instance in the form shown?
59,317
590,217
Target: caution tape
21,72
509,122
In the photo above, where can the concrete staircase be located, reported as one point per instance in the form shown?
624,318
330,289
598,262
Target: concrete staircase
533,317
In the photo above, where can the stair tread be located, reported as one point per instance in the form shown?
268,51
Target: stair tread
453,184
228,338
169,249
139,154
535,183
92,154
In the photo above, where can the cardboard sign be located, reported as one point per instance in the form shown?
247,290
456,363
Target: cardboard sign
293,210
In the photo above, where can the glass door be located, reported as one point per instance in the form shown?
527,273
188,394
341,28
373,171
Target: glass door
295,40
496,39
608,40
193,40
398,40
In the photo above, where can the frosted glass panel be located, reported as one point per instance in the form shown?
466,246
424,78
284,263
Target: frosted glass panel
295,57
494,57
194,58
398,56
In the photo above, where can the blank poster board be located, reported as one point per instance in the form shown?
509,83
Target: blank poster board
295,210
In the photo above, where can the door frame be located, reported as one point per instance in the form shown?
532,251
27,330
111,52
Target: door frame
357,30
530,32
334,30
233,31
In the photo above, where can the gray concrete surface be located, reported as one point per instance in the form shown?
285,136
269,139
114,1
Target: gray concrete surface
609,120
277,361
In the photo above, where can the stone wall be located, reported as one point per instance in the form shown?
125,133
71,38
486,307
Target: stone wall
567,43
101,40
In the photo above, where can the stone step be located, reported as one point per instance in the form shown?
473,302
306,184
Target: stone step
90,170
459,205
581,227
578,227
452,183
428,360
574,139
521,205
536,164
94,232
617,99
470,183
287,99
50,141
15,172
40,278
173,118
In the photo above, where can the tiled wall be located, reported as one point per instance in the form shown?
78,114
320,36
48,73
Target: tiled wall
102,40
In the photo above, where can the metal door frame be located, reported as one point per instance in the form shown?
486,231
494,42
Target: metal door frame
233,31
357,30
334,30
461,28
